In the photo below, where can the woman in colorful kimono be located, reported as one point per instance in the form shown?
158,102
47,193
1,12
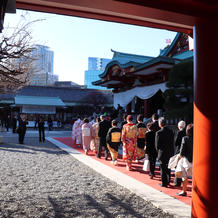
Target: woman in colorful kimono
87,135
95,141
77,132
129,139
113,140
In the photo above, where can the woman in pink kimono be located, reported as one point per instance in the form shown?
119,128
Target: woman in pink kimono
87,135
95,141
129,139
77,132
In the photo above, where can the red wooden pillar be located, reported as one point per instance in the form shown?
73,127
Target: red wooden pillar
205,180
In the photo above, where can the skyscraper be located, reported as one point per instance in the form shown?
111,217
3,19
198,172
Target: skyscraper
97,63
43,66
95,67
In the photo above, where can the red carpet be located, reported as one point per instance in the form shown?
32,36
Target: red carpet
137,173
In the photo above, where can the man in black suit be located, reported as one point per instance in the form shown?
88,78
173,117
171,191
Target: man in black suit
164,142
104,126
14,124
22,128
155,125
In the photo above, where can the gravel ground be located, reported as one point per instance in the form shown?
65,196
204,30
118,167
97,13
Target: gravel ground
40,180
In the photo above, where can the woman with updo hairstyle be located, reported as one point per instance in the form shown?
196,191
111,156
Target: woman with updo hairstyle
87,135
184,166
95,141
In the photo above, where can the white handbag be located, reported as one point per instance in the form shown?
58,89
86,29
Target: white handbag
146,166
173,161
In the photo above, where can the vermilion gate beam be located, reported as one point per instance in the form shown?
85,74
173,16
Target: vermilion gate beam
180,16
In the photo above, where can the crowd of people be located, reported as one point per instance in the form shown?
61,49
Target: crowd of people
136,140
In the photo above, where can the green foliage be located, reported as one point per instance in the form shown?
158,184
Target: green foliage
179,95
181,75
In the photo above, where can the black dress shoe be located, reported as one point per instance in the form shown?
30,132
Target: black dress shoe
162,185
182,194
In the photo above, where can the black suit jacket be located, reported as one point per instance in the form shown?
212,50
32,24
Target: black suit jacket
22,126
164,142
155,126
150,143
186,149
179,136
104,126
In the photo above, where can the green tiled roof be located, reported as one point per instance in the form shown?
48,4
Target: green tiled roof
124,58
112,63
138,67
155,61
184,55
38,100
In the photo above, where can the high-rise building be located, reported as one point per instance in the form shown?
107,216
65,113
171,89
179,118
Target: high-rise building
97,63
95,67
43,66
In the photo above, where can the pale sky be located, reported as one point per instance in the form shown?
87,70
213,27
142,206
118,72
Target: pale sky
74,39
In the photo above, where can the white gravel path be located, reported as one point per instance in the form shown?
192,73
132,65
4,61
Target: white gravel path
39,180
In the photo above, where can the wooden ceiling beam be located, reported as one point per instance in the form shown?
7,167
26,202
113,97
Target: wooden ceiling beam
114,11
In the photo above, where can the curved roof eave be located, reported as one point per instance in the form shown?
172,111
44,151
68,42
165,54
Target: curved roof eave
97,83
128,54
167,51
154,61
110,64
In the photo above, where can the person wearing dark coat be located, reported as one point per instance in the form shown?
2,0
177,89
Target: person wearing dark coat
180,134
22,127
186,151
113,140
50,123
104,126
155,123
41,127
164,142
150,148
7,122
14,124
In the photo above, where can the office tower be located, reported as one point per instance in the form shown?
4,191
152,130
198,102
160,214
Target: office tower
95,67
43,66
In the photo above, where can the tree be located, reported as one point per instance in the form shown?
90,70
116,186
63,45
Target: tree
96,98
16,61
179,95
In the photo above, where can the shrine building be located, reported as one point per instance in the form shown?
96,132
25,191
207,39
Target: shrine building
138,81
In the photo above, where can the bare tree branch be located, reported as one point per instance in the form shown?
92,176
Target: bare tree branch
16,56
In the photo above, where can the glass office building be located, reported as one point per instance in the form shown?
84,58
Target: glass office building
43,65
96,66
97,63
